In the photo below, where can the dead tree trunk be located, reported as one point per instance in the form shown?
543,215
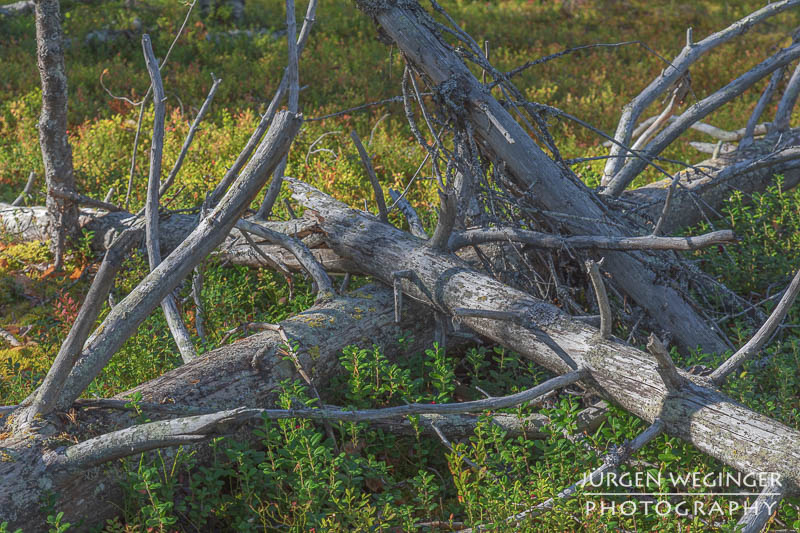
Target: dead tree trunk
410,27
695,412
246,373
56,151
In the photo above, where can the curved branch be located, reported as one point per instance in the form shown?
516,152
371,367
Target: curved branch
754,345
678,67
617,184
299,250
187,430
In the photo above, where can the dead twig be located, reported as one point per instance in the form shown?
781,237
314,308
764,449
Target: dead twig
373,178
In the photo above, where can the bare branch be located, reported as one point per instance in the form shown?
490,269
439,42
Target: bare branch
47,393
751,129
190,136
169,305
126,316
12,340
373,178
754,345
414,222
679,93
267,117
666,367
757,514
398,291
617,184
299,250
17,8
145,437
292,70
611,462
787,103
667,202
678,66
143,103
26,191
448,209
193,429
82,199
271,261
557,242
293,83
708,129
197,296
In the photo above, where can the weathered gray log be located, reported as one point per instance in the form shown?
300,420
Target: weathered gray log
697,413
703,190
409,26
33,223
246,373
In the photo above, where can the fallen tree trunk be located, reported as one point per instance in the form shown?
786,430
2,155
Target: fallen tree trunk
33,223
702,191
246,373
696,412
412,30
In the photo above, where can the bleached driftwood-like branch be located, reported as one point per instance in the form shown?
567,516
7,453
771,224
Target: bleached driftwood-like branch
617,184
268,116
298,249
169,304
556,242
611,463
764,334
373,178
138,439
678,66
126,316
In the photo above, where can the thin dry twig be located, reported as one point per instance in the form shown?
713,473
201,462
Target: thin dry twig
373,178
757,341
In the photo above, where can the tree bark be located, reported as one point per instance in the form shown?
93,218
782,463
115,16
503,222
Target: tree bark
697,413
56,151
408,25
